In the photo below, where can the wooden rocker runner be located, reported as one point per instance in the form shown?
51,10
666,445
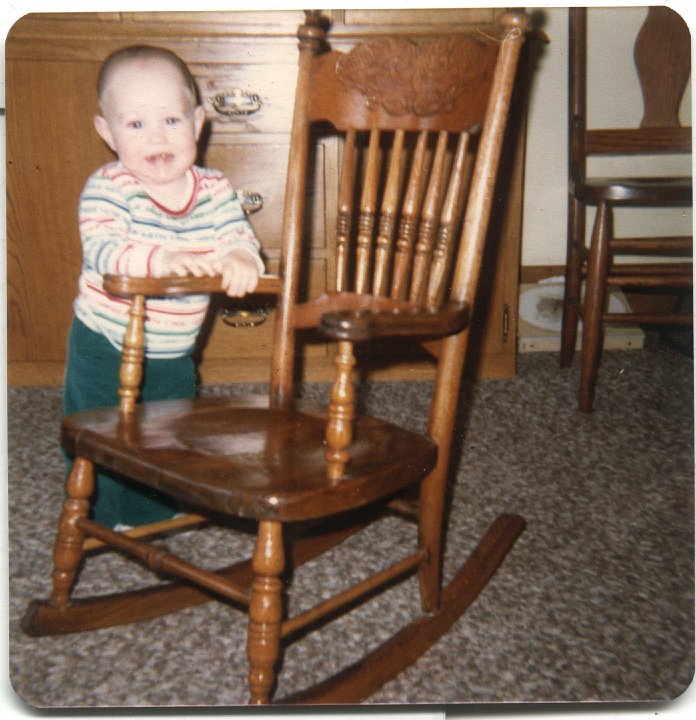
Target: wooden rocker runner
424,124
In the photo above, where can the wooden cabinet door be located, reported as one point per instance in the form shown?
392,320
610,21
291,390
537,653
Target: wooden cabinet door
52,146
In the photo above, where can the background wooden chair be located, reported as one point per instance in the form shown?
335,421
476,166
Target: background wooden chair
424,126
662,56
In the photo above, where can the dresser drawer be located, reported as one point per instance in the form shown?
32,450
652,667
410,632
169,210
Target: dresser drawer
259,166
225,340
248,98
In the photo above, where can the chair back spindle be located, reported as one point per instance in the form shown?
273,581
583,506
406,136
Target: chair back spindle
387,224
428,222
451,213
368,211
409,220
344,215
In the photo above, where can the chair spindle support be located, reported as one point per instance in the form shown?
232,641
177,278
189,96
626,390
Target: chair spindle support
132,356
339,432
444,245
387,224
69,539
345,211
368,212
265,611
429,223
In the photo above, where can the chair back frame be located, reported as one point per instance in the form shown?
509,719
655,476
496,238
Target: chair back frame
356,98
663,78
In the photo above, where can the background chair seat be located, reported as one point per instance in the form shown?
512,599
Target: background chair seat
237,456
637,190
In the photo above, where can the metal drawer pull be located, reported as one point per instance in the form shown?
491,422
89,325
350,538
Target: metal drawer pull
243,315
251,201
236,103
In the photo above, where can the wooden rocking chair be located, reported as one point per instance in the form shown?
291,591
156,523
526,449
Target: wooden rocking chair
434,113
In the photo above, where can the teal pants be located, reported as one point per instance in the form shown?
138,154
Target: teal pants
91,381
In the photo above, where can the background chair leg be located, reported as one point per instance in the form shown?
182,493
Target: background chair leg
69,540
573,281
595,300
265,611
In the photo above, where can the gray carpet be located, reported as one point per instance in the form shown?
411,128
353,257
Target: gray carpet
594,603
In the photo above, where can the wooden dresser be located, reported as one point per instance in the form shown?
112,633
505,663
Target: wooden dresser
245,64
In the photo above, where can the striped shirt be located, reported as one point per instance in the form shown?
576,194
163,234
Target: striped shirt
124,231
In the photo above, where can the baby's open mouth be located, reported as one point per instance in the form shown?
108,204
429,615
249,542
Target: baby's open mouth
159,158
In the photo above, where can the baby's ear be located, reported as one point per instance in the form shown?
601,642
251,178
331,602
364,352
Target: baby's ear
198,119
102,127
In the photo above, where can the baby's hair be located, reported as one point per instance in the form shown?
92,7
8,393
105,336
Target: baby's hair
145,52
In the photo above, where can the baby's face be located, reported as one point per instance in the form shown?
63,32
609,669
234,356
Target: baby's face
151,122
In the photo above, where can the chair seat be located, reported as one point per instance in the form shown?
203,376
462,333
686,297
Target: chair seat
638,190
237,456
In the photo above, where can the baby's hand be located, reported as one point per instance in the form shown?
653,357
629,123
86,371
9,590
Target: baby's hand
183,263
239,272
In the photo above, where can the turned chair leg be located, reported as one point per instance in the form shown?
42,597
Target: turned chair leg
70,538
573,281
595,301
265,611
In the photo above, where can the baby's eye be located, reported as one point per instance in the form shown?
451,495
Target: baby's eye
172,120
135,124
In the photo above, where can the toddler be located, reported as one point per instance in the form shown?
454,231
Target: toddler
152,212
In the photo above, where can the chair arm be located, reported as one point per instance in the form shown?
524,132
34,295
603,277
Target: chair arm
363,325
124,286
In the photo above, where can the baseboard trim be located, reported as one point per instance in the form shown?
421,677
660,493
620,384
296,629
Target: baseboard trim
530,274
